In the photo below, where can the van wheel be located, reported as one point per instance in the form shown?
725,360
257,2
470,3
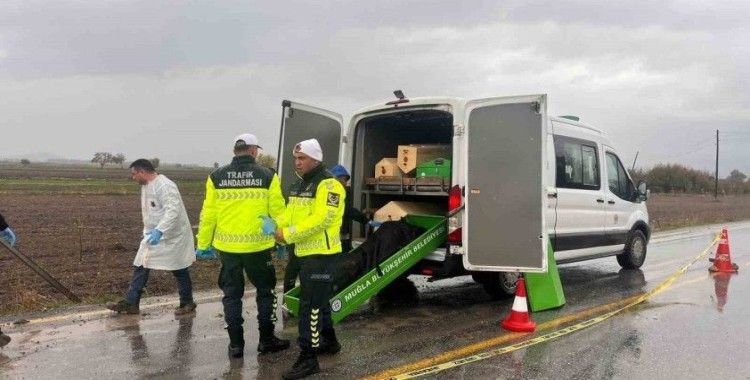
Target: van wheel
635,251
499,285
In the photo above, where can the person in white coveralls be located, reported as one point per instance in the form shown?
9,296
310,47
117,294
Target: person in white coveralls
167,242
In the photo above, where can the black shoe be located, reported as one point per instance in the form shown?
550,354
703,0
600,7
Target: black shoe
185,309
272,344
329,344
236,342
123,307
4,339
306,365
328,347
236,351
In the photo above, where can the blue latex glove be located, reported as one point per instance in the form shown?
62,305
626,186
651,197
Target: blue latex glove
374,224
269,227
280,252
153,237
205,254
9,236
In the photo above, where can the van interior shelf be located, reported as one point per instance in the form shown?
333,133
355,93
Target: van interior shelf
408,185
407,192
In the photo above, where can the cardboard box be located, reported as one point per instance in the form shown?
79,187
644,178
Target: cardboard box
409,156
387,167
395,210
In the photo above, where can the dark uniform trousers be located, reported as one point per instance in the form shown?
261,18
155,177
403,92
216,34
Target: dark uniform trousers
316,281
260,270
292,269
346,244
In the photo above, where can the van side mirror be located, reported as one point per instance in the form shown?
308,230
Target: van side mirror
643,191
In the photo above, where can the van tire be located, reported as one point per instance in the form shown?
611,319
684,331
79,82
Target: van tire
499,285
635,251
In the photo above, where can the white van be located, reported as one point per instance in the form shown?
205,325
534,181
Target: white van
519,179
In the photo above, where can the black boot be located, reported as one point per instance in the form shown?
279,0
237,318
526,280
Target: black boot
329,345
236,342
270,343
4,339
306,365
123,307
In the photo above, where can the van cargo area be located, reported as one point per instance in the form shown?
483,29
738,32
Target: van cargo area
406,159
378,137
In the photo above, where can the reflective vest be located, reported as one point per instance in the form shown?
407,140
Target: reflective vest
314,213
237,195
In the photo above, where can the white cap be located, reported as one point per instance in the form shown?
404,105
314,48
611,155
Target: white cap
245,139
311,148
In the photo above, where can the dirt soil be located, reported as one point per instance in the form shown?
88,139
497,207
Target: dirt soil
88,243
669,211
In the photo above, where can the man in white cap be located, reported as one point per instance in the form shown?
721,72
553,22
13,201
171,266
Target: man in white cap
242,199
312,222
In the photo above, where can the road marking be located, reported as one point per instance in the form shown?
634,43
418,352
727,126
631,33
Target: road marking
470,349
462,356
698,278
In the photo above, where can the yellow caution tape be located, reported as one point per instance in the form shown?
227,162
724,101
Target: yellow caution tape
550,336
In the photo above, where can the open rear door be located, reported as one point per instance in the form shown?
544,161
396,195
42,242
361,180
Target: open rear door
301,122
504,227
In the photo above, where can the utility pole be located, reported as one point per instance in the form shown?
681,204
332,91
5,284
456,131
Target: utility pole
716,179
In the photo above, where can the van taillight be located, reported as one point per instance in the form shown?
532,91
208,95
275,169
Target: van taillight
454,202
455,236
454,198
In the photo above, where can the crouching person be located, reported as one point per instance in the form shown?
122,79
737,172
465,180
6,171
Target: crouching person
7,234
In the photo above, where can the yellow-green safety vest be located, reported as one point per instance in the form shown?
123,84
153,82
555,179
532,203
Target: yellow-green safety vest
314,214
237,195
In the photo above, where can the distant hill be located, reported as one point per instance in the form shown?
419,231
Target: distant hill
36,157
51,159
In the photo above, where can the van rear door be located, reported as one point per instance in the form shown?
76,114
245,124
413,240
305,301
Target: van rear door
301,122
504,220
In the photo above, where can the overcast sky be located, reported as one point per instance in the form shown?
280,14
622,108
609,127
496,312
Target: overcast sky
178,80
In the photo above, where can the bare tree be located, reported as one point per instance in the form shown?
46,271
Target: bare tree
155,161
216,165
736,176
119,158
25,162
266,160
102,158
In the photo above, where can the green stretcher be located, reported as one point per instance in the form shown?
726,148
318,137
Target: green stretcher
350,298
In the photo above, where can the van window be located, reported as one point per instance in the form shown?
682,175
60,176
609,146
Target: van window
577,163
617,178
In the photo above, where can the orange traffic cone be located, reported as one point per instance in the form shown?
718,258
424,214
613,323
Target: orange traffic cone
723,262
519,319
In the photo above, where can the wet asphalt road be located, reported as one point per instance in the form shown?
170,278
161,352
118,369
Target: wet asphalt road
695,328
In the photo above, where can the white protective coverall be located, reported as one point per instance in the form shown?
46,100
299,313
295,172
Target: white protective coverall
162,209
